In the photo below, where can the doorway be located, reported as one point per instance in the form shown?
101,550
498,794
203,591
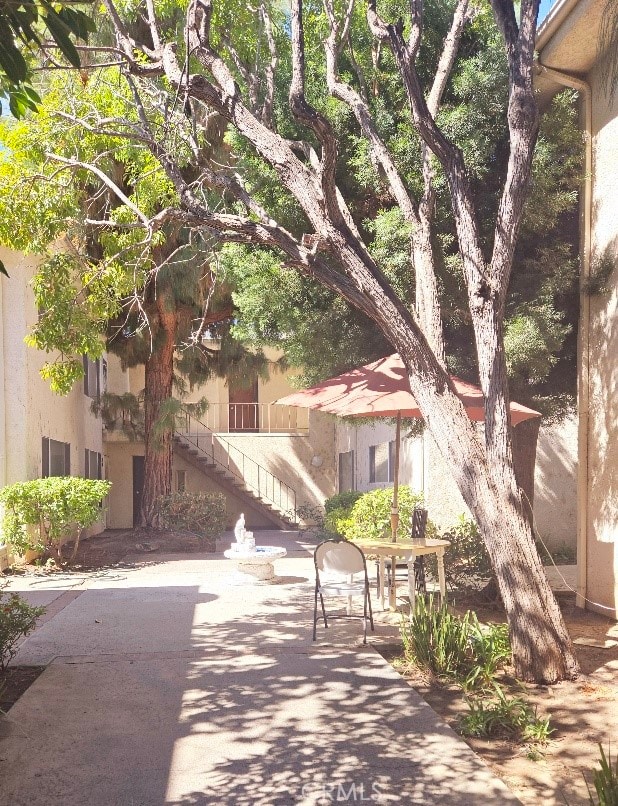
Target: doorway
243,406
138,488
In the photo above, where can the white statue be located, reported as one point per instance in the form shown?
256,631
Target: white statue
239,529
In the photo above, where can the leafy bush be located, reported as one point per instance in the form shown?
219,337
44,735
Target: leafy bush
202,514
17,618
605,781
468,560
57,507
344,500
338,521
371,514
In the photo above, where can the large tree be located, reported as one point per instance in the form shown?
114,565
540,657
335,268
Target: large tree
204,72
103,287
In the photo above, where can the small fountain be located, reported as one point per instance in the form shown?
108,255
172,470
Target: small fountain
254,563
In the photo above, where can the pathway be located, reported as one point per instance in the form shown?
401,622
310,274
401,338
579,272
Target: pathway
168,685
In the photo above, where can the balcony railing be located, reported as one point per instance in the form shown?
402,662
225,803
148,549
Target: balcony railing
255,418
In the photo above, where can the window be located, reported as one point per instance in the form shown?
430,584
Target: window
346,471
56,458
181,481
381,462
92,378
93,465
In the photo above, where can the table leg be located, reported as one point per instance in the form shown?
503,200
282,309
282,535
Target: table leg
411,584
441,576
381,563
392,594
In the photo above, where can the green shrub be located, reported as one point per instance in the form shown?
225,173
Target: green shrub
17,618
371,514
605,781
502,715
468,561
437,640
58,508
344,500
338,521
202,514
455,647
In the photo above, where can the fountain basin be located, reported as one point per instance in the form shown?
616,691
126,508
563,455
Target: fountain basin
256,565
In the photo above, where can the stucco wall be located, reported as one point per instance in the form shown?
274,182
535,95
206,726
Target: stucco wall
30,410
555,484
424,469
601,475
303,461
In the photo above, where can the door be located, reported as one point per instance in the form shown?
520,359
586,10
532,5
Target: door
138,488
243,406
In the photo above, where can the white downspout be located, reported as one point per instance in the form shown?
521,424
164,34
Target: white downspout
585,90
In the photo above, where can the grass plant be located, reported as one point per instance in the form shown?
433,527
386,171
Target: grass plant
460,649
605,781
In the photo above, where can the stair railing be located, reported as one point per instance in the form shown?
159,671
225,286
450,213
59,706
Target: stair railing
228,457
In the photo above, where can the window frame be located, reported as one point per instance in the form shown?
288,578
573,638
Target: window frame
89,457
88,363
46,457
390,463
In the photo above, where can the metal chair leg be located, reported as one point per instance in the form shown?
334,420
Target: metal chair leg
315,613
324,611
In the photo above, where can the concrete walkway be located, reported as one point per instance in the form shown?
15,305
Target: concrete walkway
167,684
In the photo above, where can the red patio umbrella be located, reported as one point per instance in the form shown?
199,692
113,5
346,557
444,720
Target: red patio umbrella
382,389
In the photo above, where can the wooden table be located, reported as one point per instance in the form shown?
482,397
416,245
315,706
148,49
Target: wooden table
409,550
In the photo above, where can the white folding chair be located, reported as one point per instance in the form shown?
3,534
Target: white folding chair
337,564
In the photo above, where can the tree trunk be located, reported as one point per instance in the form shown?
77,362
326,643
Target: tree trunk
525,437
158,445
542,648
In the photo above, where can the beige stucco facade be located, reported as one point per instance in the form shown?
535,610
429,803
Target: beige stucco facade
423,468
29,410
568,44
295,446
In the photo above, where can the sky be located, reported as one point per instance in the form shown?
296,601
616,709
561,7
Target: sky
545,6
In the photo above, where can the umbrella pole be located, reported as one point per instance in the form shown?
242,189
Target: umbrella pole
395,511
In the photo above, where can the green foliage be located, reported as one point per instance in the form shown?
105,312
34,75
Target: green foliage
437,640
460,649
345,500
318,331
17,618
532,339
605,781
339,521
454,647
71,329
468,560
42,513
501,715
22,24
202,514
371,515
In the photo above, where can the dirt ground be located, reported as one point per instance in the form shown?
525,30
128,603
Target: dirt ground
583,713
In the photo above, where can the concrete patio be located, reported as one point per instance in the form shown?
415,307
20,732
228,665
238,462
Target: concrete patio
168,684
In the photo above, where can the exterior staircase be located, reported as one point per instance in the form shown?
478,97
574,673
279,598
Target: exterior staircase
237,473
